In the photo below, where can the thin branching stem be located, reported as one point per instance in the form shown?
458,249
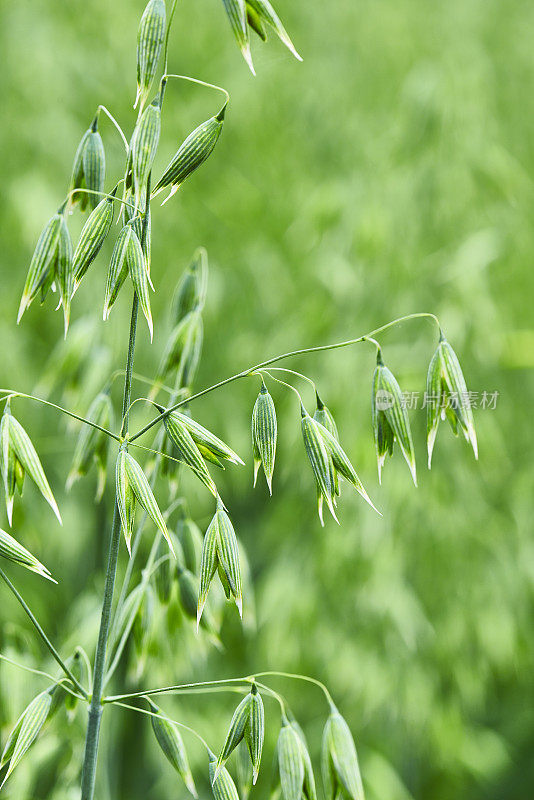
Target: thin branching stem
167,34
102,195
271,692
134,402
64,682
136,376
157,453
203,690
157,564
282,383
131,619
17,664
85,659
116,124
372,341
199,82
130,567
296,676
168,719
184,687
176,503
304,351
137,535
227,684
124,638
11,393
131,562
297,374
42,634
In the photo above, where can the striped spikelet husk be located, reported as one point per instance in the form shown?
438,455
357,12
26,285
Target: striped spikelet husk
237,15
92,237
264,435
191,154
150,37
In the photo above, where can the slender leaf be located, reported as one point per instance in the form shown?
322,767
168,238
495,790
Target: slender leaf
32,720
14,551
27,455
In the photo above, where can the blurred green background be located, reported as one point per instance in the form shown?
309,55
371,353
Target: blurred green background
390,172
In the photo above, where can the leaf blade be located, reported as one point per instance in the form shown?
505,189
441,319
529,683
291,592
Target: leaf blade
27,455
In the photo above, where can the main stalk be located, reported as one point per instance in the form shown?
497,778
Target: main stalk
95,708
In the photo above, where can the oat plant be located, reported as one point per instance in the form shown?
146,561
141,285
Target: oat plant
183,564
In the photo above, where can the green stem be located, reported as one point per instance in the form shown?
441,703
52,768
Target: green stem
33,671
164,716
169,25
126,400
304,351
131,561
12,393
116,124
58,682
137,536
135,547
199,83
297,374
119,373
298,677
278,697
42,634
184,687
101,195
96,707
129,625
224,684
282,383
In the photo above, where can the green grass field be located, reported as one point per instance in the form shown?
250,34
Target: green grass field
389,173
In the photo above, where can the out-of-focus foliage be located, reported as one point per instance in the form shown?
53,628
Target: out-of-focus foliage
390,172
